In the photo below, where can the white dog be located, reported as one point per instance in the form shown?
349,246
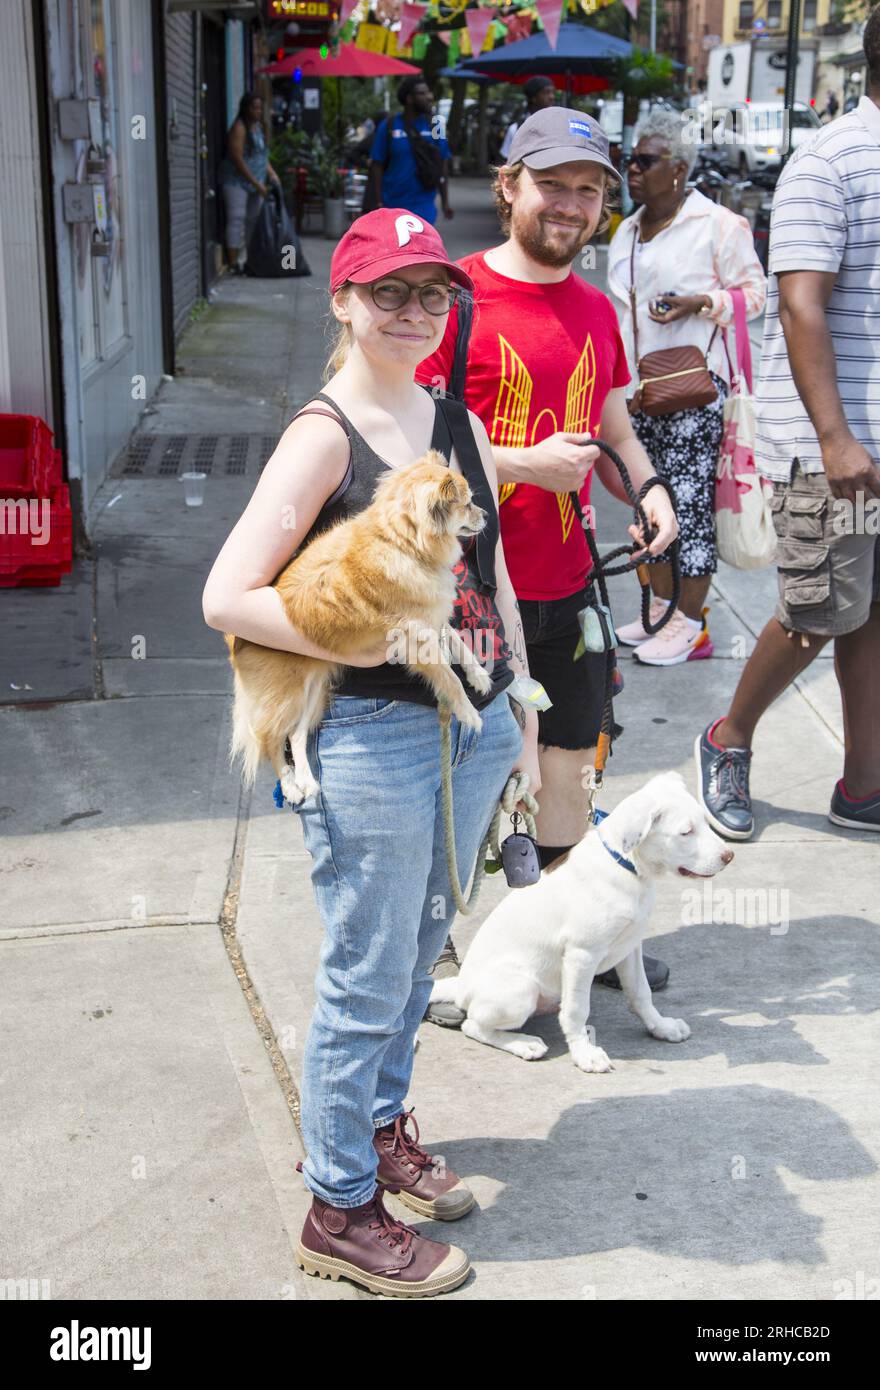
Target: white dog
539,950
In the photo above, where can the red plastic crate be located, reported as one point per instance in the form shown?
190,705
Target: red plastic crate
29,466
24,562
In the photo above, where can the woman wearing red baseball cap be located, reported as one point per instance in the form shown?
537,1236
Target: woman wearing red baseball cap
375,831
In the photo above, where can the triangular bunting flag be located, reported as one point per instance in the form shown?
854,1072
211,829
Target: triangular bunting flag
454,47
345,10
444,35
550,12
633,7
411,17
478,25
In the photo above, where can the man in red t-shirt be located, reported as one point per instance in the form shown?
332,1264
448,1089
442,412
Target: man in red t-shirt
546,371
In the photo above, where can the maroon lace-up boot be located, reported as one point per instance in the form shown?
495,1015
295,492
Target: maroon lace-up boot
369,1247
421,1180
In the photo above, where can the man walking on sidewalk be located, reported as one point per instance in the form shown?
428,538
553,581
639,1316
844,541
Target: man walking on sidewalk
818,439
546,371
409,161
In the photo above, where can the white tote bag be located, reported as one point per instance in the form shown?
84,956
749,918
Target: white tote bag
743,523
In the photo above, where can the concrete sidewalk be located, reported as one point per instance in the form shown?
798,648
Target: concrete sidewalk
159,940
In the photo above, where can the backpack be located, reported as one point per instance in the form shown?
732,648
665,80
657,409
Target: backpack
428,159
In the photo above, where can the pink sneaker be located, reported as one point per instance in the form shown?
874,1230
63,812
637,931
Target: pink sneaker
633,634
678,641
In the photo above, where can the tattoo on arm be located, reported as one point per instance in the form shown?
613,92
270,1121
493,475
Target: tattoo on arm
519,714
518,644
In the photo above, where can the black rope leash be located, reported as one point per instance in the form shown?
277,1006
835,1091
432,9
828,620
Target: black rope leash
604,567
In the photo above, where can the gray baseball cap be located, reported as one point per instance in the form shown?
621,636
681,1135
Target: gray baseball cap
558,135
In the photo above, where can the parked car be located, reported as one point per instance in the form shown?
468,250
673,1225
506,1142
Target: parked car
752,134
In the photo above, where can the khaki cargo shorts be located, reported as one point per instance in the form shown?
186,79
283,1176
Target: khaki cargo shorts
828,575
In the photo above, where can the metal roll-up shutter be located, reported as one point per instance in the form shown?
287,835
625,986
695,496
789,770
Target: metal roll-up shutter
183,163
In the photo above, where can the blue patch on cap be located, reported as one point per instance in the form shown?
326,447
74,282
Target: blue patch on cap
580,128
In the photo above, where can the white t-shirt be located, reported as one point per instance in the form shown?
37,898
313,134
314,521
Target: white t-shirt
826,216
508,140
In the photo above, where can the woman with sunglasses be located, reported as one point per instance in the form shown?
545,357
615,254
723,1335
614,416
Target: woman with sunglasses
684,254
375,830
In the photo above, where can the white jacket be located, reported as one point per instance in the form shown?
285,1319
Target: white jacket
705,250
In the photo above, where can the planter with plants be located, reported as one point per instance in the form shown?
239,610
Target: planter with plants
330,182
292,154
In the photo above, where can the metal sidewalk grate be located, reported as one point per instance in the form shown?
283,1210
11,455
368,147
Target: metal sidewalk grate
218,455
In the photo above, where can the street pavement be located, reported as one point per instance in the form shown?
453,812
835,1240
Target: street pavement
158,944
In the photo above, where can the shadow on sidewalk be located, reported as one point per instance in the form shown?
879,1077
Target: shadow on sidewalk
697,1174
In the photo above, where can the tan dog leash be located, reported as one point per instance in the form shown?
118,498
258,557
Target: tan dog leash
515,790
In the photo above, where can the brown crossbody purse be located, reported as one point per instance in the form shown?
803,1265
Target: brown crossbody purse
673,378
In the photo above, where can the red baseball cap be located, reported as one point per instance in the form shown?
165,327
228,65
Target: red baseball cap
386,240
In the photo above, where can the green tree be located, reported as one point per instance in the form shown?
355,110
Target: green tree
639,77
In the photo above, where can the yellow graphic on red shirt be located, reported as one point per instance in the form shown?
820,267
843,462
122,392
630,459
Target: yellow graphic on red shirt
509,427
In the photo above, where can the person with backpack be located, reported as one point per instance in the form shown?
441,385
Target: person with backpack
545,371
409,161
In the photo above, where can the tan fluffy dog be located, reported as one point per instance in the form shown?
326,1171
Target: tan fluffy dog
383,574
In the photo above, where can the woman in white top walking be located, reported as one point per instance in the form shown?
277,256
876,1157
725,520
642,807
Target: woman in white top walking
687,253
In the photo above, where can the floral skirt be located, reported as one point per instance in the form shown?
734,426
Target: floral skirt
683,447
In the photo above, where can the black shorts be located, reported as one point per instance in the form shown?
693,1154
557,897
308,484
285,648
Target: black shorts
577,688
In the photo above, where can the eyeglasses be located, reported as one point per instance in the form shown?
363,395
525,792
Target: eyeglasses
645,161
435,299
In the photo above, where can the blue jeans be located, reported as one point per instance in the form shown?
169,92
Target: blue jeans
375,834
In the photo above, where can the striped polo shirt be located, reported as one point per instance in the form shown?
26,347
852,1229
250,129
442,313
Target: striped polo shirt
826,216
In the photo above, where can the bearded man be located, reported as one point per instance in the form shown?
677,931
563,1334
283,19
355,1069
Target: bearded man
546,371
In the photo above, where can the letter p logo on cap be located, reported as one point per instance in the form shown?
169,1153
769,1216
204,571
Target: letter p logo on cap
405,225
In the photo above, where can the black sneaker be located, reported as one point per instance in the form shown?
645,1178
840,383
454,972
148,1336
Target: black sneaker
858,815
445,966
723,786
657,972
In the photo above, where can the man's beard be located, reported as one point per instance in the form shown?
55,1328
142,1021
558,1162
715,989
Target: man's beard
535,240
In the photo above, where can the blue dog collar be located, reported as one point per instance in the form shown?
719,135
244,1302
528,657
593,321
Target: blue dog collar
615,854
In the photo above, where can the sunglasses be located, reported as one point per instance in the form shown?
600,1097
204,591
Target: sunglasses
644,162
435,299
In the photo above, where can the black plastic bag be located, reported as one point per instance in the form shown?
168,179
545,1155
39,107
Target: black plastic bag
274,248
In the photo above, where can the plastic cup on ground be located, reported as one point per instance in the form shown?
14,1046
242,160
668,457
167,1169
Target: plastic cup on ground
194,488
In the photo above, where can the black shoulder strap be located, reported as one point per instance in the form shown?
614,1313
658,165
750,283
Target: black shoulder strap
471,465
465,308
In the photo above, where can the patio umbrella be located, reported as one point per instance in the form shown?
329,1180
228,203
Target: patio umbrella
469,74
349,62
581,56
